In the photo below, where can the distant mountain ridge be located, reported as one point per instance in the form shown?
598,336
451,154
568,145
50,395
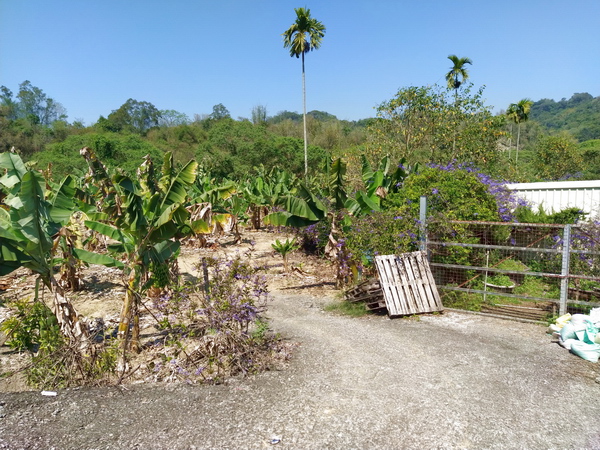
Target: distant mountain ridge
580,115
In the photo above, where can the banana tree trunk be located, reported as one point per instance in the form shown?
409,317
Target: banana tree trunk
129,335
70,324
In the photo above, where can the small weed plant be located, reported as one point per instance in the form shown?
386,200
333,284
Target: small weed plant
33,328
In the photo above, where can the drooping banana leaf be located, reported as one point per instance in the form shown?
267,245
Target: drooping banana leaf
97,258
11,257
162,252
362,204
109,231
199,226
285,219
313,202
166,231
303,209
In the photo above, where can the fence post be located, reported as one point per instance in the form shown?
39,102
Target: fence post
564,280
423,224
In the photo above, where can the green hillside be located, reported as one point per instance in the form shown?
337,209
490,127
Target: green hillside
579,116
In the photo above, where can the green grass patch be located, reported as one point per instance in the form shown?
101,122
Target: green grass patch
536,287
462,300
352,309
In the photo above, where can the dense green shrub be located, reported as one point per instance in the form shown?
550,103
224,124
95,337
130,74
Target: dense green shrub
116,150
452,191
525,214
380,233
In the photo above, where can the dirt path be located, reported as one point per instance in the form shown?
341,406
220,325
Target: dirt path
444,381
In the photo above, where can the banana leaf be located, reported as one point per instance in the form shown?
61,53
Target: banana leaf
199,226
286,219
336,183
15,169
31,211
162,252
11,258
177,187
62,204
164,232
97,258
107,230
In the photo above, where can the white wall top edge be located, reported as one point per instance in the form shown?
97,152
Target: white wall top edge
586,184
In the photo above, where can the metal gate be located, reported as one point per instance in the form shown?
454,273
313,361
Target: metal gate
527,271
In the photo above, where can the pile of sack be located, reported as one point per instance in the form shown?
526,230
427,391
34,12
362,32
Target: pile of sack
579,333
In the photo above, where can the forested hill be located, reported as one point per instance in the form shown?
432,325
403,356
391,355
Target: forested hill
580,115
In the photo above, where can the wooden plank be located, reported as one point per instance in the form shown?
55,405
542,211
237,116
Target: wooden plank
411,300
414,280
389,283
404,300
363,298
386,280
432,293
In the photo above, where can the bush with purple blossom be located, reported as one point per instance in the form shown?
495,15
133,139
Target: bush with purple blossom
213,328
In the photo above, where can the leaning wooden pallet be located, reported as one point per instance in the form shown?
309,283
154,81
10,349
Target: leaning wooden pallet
407,284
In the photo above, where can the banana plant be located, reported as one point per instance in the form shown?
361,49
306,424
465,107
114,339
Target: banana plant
28,224
264,191
305,207
300,209
144,217
215,200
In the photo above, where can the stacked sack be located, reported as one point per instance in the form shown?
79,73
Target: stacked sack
579,333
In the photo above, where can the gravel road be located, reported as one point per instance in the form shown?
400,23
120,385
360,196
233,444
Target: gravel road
454,381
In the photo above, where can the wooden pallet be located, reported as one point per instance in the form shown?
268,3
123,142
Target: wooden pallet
369,292
407,284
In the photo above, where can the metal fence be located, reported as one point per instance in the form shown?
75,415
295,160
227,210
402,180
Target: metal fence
526,271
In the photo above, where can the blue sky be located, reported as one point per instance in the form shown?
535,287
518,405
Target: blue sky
92,55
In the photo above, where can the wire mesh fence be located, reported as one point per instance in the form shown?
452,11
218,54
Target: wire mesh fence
527,271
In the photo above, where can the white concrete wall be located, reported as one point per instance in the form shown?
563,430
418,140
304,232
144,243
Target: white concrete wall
558,195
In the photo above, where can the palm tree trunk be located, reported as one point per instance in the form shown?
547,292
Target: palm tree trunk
454,137
518,138
510,141
304,116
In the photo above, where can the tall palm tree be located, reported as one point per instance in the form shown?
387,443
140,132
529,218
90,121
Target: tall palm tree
455,77
458,73
518,113
304,35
